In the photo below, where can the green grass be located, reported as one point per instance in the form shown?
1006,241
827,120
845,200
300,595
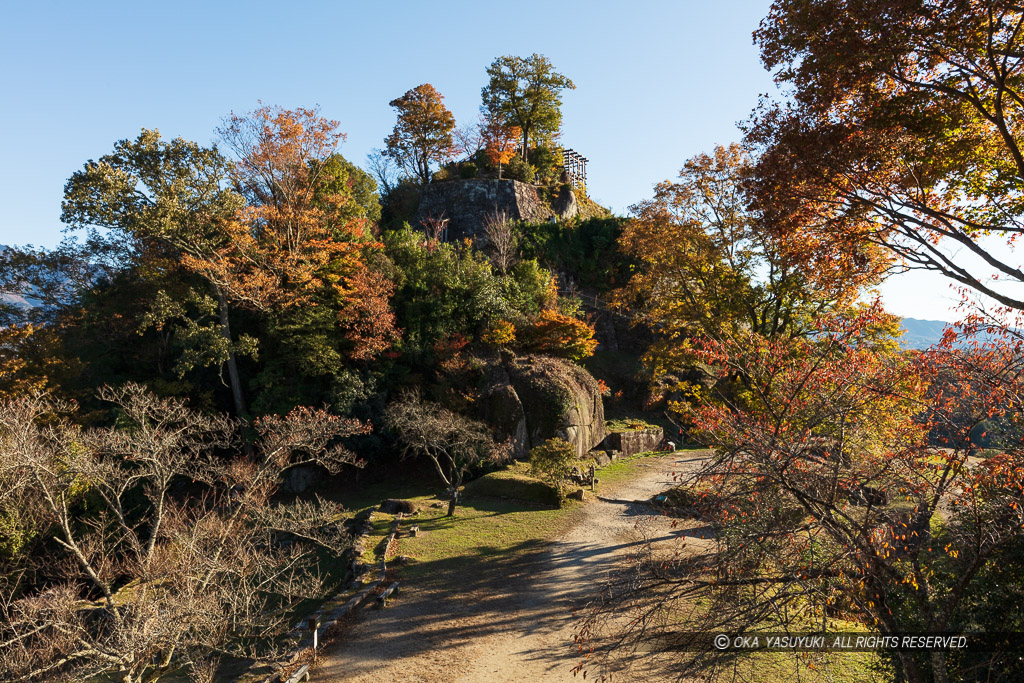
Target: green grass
628,424
491,528
483,529
512,483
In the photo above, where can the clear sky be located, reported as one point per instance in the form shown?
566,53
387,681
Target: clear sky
657,82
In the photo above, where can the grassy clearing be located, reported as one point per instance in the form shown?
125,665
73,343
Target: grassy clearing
504,517
513,483
482,530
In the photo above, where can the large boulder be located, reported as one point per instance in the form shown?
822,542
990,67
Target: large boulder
535,398
565,205
502,409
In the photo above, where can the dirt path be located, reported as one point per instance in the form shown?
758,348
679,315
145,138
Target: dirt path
508,619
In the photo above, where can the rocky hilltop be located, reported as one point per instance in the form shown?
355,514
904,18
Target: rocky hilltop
467,203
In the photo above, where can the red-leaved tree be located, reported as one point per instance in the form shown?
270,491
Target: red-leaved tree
844,484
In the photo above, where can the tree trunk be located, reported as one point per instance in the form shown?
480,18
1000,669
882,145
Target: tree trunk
940,672
911,671
225,330
526,145
452,502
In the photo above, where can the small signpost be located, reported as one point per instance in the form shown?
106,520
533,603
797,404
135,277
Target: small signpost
314,626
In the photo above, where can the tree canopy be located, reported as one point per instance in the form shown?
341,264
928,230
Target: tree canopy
526,92
904,129
422,133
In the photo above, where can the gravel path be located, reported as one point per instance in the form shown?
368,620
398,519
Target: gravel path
511,620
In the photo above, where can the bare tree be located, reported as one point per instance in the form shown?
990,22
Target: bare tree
153,552
502,239
452,442
469,138
384,169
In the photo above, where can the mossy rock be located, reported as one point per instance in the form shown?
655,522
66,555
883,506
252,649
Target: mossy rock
556,397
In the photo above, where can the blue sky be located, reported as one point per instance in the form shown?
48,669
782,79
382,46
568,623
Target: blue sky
657,82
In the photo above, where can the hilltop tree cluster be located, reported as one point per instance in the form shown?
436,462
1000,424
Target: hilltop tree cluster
153,400
222,317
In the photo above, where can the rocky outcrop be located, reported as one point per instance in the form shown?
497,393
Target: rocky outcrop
534,398
503,410
634,441
467,203
565,205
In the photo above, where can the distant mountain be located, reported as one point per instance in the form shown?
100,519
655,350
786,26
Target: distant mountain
920,334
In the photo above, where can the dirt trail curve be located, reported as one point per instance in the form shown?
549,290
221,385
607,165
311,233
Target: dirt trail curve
507,619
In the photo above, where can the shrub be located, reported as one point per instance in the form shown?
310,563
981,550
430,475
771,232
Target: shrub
467,170
547,162
552,463
517,169
500,333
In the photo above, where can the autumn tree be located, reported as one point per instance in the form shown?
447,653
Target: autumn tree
155,196
828,500
275,230
499,141
526,92
297,242
904,130
558,334
423,132
709,264
117,574
452,442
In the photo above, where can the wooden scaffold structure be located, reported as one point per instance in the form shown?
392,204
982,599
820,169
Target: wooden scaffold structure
575,165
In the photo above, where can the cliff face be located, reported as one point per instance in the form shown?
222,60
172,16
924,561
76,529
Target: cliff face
467,203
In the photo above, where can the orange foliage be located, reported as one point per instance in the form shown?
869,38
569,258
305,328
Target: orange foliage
423,132
500,141
560,335
500,333
289,246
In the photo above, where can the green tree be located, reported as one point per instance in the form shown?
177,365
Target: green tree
423,132
552,463
341,180
154,196
526,92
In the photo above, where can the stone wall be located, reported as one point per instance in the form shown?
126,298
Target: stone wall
631,442
467,203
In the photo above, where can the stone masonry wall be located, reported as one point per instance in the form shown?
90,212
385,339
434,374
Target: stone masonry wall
467,203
